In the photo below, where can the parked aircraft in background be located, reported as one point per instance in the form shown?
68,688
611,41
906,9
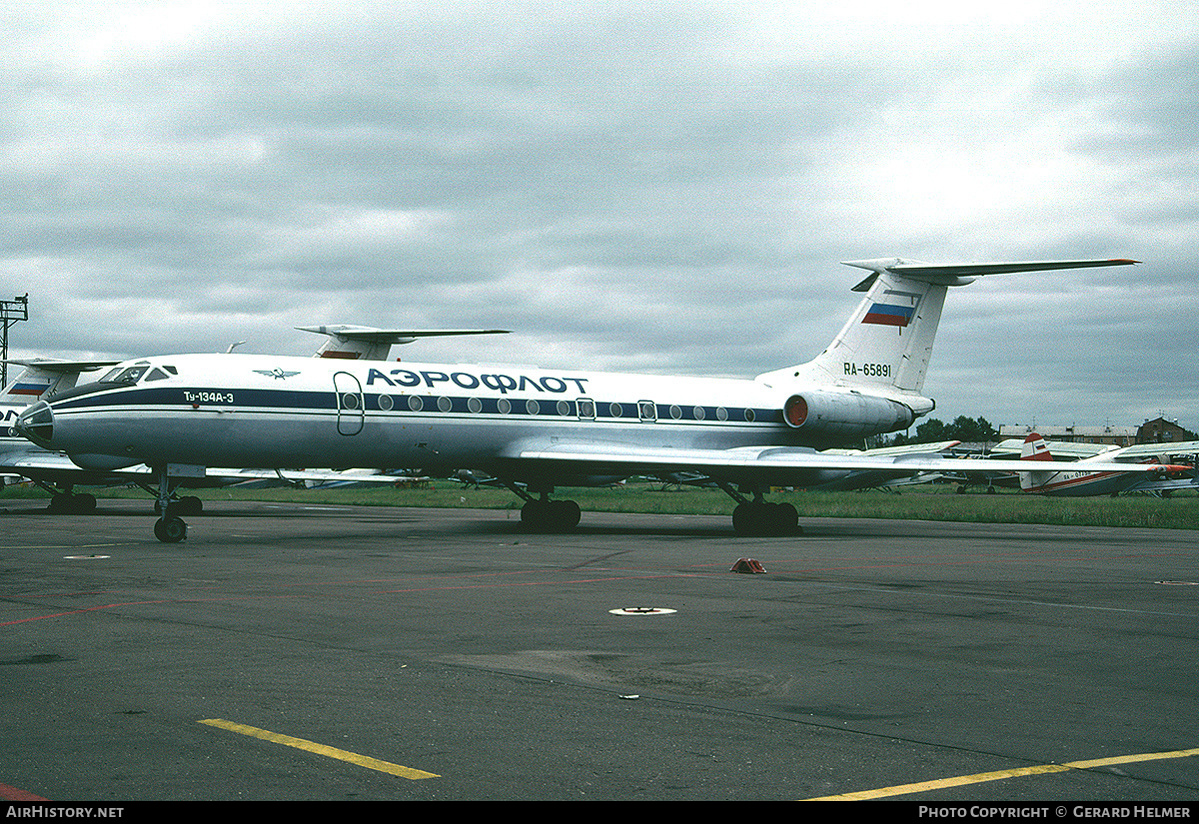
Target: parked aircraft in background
535,429
1082,478
38,379
869,479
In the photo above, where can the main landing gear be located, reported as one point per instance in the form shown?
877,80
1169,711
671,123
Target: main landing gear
754,517
759,518
66,501
72,503
540,514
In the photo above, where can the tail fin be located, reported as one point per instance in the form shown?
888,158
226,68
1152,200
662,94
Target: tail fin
45,378
888,341
1035,449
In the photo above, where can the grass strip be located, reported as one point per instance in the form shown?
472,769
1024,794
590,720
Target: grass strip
930,502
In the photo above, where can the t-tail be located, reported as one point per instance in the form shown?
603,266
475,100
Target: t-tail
888,340
870,379
42,379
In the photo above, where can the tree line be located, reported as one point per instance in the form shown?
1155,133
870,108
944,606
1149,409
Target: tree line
967,430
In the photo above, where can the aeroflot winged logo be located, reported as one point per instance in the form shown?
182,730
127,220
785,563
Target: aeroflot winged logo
276,373
896,312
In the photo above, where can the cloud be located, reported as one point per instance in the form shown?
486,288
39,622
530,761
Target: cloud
651,186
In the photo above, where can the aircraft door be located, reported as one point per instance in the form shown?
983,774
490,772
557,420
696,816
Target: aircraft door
351,406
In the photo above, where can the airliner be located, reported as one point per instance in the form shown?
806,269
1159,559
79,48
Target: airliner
535,429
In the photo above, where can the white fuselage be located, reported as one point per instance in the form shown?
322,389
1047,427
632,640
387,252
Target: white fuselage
268,411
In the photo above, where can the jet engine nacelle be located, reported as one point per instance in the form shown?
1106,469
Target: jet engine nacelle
845,415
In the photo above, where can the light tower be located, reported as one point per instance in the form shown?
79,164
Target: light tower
11,311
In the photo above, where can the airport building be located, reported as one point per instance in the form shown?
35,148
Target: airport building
1158,430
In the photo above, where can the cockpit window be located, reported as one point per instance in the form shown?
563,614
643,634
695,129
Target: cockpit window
139,371
129,374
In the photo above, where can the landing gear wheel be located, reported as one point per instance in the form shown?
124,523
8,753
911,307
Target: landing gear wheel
170,529
788,520
760,519
566,514
68,503
550,516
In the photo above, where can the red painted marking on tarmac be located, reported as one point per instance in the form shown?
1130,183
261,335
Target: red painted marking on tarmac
221,600
13,794
76,612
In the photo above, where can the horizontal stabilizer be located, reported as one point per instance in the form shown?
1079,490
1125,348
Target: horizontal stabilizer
51,365
959,274
369,343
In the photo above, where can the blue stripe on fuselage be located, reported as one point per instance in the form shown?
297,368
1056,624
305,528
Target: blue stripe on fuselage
313,401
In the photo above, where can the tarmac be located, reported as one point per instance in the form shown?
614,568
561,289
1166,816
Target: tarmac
292,652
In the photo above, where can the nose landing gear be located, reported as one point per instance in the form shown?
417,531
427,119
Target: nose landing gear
169,528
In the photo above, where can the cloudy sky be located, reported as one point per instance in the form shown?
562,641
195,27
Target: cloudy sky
651,186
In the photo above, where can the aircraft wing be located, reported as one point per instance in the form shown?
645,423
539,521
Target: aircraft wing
54,468
905,449
1065,450
58,469
1165,485
1146,451
778,465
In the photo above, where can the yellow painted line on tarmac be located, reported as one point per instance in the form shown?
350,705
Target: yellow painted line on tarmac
999,775
321,749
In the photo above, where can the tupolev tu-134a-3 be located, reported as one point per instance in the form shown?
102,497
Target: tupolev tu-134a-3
534,429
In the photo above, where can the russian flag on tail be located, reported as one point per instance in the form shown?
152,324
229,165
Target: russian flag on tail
33,389
889,314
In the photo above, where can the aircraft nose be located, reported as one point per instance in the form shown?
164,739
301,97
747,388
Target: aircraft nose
37,423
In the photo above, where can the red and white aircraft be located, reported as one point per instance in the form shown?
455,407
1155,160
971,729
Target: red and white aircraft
1082,479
